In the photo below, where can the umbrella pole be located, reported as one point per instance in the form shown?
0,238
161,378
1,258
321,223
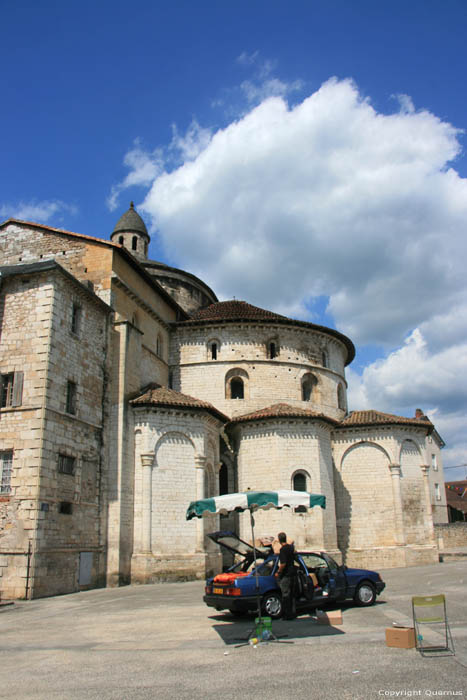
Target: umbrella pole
258,600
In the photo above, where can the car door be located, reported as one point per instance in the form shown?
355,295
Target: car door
305,589
337,580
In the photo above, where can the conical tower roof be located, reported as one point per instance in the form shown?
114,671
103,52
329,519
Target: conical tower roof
131,221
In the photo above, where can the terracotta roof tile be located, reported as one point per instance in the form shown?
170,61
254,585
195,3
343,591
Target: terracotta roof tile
161,396
235,310
365,418
281,410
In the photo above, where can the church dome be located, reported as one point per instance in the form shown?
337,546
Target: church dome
131,221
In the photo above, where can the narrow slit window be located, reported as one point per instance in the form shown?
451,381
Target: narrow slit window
71,391
214,351
134,243
76,319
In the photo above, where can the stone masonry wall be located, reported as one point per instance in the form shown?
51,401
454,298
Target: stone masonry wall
267,381
269,453
178,440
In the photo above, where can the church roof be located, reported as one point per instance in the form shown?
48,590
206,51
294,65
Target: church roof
131,221
157,395
369,418
235,311
281,410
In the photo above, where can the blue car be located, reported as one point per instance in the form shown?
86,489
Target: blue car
320,580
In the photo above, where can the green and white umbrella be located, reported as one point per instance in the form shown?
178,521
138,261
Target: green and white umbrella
253,500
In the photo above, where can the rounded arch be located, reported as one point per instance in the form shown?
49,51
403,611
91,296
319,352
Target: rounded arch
213,347
236,384
300,480
363,486
272,348
172,438
364,443
308,385
410,459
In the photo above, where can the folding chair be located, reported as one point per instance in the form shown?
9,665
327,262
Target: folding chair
432,631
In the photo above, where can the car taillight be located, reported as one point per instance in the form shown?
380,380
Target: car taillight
208,589
233,591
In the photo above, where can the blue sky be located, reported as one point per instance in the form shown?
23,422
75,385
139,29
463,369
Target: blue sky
308,157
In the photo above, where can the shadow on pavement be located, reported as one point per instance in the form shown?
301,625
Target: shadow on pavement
233,630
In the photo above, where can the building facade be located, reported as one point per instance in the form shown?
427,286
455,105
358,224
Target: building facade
128,390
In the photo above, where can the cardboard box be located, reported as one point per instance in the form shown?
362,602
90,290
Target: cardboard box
331,617
400,637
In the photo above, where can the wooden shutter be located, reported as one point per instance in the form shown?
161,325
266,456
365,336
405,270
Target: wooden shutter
17,389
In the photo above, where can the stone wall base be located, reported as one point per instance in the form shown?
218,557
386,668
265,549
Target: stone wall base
391,557
157,568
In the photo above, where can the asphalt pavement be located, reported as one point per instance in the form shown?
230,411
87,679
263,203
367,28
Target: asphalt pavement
161,641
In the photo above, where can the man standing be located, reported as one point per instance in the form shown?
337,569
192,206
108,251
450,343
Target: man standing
286,576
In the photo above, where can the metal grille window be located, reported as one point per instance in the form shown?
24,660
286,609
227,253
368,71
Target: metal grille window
66,464
6,462
71,397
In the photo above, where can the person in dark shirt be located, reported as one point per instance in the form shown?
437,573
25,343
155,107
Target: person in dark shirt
286,576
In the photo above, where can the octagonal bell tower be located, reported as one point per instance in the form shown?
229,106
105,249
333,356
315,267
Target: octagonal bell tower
131,232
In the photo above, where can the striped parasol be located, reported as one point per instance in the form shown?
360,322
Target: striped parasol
253,500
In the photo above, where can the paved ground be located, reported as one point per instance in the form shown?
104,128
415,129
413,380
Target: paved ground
161,641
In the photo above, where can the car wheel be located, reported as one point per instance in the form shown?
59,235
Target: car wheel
365,594
272,605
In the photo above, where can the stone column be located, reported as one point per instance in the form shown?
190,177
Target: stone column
428,509
397,500
200,462
147,460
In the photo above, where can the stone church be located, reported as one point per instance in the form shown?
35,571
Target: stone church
128,390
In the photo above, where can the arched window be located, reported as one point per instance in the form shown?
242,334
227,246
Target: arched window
236,388
299,482
134,243
236,384
272,353
309,381
213,351
324,359
120,240
341,397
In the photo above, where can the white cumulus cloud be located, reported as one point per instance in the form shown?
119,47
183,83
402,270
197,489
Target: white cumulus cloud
331,197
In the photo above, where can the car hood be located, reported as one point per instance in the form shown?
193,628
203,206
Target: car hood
232,542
